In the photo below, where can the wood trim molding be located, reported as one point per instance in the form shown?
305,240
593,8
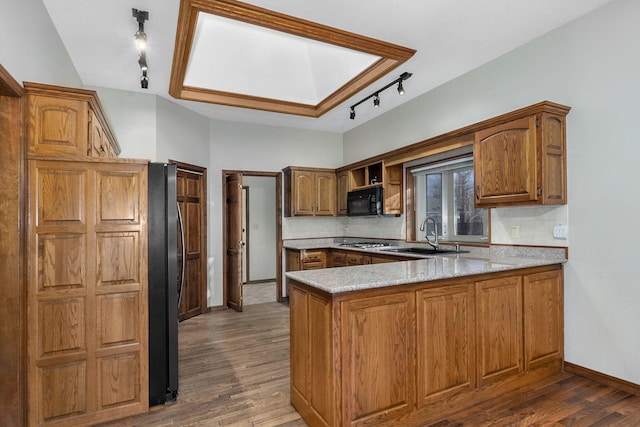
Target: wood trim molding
8,85
601,378
392,56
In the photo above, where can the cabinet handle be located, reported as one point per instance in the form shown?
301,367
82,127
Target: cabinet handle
477,192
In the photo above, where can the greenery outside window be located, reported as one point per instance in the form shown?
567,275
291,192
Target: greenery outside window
444,191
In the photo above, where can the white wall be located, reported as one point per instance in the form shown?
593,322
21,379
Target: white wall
590,65
31,49
242,146
261,227
133,117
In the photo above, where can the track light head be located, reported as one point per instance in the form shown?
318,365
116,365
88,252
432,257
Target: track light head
144,80
141,40
400,88
352,114
376,101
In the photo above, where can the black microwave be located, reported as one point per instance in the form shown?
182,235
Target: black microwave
367,201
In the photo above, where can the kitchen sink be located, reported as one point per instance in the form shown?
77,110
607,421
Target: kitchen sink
423,251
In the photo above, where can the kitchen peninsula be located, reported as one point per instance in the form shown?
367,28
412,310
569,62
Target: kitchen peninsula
409,342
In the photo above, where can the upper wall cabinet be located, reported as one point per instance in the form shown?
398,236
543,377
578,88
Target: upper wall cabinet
309,192
365,175
522,160
67,121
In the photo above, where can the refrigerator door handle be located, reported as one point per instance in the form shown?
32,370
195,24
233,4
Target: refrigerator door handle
181,282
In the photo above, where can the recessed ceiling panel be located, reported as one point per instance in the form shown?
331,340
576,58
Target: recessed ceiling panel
233,56
236,54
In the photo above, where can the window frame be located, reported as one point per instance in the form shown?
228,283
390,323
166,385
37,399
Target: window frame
446,162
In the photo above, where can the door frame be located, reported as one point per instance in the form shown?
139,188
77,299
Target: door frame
203,227
278,248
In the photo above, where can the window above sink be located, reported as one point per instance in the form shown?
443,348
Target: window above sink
443,189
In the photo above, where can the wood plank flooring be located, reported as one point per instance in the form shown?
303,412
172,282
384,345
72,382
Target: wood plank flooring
234,371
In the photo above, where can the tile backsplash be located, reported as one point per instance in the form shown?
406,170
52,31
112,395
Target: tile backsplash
524,225
528,225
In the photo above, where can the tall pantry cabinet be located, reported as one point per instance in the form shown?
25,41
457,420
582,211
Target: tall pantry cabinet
86,264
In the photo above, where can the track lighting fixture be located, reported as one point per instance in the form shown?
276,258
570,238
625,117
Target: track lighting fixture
376,95
400,88
141,42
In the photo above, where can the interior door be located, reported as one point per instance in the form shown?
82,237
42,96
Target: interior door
192,203
234,242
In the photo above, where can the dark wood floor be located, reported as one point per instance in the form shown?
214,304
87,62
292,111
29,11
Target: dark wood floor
234,371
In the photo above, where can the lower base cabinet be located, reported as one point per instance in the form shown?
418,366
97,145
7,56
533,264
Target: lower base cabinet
410,355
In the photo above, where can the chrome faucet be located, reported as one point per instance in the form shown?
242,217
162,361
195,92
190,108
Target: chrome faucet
423,226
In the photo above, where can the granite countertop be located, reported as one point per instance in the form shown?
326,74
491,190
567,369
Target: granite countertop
424,268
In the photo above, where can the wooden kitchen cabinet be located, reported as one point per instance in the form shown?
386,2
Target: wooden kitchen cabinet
67,121
378,369
446,362
343,187
305,259
543,318
422,351
499,313
309,192
87,341
522,161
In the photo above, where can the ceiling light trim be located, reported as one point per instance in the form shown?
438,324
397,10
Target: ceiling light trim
392,56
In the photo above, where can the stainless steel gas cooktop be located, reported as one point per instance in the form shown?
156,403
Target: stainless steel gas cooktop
365,245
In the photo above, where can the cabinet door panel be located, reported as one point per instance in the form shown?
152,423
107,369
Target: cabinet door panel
505,163
304,189
342,183
58,126
499,323
446,344
88,328
543,318
325,193
378,357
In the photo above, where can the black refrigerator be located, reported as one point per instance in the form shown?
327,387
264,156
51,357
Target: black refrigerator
165,283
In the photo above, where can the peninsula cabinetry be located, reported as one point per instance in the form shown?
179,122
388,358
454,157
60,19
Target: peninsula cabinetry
522,160
309,192
433,348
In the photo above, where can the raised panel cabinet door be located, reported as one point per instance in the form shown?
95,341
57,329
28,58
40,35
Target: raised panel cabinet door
57,126
342,184
499,328
505,162
87,261
543,318
446,344
303,193
378,358
554,159
325,194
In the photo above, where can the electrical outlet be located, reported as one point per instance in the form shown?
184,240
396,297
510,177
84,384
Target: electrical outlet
560,231
515,231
